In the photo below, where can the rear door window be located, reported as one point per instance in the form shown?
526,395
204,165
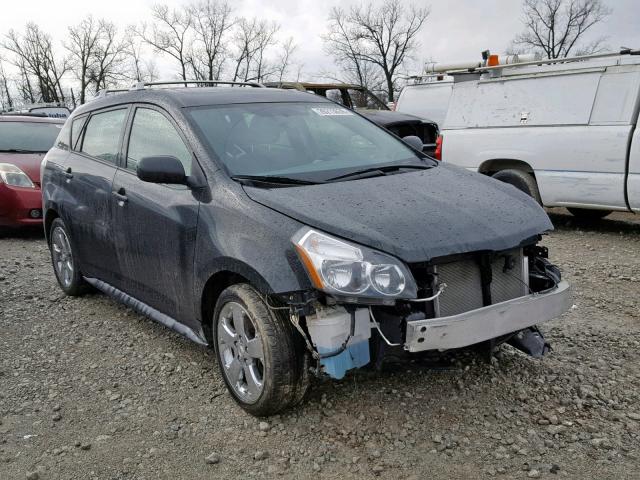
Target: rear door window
153,134
76,130
102,135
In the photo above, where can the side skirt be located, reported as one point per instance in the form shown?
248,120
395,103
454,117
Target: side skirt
146,310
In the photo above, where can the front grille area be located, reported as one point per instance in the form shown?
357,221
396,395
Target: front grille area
464,288
464,282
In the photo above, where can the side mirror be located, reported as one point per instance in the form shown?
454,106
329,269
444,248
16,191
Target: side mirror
161,169
413,141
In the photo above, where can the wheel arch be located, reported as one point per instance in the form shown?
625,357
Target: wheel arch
217,282
49,216
489,167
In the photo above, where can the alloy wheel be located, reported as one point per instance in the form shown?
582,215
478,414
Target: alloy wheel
241,352
62,256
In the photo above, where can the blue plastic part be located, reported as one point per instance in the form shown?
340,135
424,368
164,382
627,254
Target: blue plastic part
354,356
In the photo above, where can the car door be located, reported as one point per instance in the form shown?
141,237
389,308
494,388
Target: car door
87,174
155,224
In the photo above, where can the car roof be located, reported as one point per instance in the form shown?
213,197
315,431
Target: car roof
11,117
181,97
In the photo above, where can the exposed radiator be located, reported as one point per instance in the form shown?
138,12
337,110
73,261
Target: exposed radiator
464,284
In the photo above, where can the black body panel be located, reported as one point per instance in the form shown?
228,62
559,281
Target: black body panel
416,216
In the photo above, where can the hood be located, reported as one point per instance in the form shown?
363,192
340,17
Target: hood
415,216
386,118
29,163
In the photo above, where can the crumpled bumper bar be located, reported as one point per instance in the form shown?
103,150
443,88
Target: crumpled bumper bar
475,326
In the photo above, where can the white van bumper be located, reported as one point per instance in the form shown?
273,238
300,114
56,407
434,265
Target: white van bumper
489,322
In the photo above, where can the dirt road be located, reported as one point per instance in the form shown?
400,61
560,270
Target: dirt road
90,389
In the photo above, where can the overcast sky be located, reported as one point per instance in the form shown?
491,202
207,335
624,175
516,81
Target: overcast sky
455,30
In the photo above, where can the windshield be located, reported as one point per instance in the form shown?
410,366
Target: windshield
28,136
307,141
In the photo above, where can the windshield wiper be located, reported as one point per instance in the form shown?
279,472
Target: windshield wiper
378,171
20,150
271,179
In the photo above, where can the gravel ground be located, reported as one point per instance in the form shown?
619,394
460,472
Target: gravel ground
90,389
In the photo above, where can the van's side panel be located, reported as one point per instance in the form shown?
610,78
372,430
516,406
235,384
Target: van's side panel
573,165
528,101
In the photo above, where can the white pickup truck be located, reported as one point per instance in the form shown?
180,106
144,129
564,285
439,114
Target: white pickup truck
564,130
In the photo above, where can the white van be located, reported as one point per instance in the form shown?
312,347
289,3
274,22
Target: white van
564,131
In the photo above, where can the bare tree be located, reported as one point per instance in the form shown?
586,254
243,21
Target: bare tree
24,85
285,61
212,23
142,68
556,26
109,63
384,36
170,34
97,53
343,45
6,102
252,40
82,44
34,56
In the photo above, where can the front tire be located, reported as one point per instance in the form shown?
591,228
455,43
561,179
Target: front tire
523,181
588,214
257,352
65,265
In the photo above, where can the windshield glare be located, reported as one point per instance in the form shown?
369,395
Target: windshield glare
313,141
28,136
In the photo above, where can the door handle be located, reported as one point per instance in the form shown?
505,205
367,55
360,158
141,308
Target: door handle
120,196
67,173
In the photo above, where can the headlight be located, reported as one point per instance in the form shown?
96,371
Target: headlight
345,269
12,175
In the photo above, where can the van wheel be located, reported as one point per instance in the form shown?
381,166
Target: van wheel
64,262
521,180
588,214
258,353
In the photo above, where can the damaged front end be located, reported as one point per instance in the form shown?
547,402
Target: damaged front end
366,302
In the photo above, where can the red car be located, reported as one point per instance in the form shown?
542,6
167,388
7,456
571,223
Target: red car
24,140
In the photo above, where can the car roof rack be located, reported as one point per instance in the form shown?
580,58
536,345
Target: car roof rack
143,85
104,92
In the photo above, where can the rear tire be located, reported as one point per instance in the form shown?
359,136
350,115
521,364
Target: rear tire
65,265
523,181
258,352
588,214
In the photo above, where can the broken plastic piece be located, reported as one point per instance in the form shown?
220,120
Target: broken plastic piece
530,341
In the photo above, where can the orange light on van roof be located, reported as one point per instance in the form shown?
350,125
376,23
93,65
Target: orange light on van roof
493,61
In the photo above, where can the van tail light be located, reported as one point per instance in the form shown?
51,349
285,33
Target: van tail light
438,152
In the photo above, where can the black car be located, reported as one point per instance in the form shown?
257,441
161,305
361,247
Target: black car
290,234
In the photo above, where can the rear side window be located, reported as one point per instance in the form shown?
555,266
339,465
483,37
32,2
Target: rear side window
152,134
102,135
62,141
76,130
